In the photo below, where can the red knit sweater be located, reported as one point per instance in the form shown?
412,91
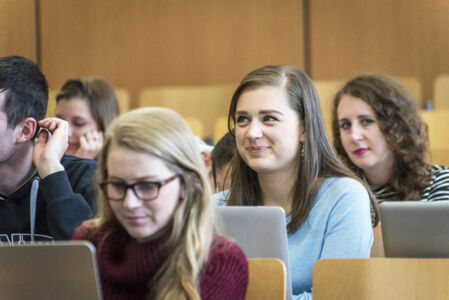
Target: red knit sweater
126,271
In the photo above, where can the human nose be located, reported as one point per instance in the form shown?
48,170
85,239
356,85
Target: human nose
70,130
131,201
356,133
254,130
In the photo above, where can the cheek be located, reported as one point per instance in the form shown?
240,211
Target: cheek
239,139
80,131
115,207
166,204
345,138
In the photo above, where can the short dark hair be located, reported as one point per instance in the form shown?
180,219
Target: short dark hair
222,154
223,151
26,89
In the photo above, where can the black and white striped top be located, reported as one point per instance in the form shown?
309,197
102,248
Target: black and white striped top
438,188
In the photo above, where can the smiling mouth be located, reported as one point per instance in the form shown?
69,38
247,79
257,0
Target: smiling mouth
256,149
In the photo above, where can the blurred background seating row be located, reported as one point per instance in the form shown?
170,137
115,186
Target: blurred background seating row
205,107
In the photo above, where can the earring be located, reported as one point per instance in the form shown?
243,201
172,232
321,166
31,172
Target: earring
302,151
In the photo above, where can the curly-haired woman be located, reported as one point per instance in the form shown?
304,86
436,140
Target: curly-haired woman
378,132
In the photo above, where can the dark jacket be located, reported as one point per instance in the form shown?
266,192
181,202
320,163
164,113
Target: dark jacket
64,200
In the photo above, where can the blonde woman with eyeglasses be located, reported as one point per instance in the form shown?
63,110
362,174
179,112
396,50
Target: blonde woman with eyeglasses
156,236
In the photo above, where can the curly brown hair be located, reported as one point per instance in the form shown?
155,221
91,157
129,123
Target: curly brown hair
399,122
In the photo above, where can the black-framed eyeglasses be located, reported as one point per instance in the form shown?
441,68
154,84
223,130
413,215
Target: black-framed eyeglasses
144,190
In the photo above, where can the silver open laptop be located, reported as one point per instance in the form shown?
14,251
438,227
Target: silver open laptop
259,230
415,228
61,270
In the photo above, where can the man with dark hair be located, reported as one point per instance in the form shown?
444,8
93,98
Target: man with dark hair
43,194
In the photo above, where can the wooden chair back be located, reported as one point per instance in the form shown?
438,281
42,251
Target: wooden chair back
377,249
441,92
267,279
327,89
220,128
413,85
206,103
123,99
196,126
51,107
381,278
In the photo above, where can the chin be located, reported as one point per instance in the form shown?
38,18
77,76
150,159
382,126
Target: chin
141,236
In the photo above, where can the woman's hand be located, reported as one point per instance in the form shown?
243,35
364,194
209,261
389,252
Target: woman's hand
90,145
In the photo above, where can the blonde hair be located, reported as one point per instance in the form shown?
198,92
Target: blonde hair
163,133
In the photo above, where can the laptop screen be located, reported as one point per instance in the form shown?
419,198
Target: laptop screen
59,270
415,228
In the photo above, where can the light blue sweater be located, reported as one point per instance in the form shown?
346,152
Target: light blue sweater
339,225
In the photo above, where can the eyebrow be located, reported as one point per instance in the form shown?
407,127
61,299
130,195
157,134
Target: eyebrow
138,179
262,112
358,117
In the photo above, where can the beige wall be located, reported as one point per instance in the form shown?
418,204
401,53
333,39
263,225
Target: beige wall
142,43
397,37
17,28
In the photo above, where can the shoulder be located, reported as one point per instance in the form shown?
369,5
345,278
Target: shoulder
439,172
224,250
226,275
342,186
340,197
438,188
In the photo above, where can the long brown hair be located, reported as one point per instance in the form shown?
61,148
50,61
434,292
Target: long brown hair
98,93
401,125
321,160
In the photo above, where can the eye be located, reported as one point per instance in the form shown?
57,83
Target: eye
367,121
115,188
79,124
146,187
345,125
269,118
240,119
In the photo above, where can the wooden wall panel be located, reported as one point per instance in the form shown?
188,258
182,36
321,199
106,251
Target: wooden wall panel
157,43
396,37
17,28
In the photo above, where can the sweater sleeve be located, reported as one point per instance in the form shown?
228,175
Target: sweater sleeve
68,204
339,226
226,275
349,233
85,231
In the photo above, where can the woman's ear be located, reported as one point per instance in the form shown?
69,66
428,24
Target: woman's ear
26,130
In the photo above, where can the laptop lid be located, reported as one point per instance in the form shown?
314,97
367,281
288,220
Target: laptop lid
60,270
260,231
415,228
